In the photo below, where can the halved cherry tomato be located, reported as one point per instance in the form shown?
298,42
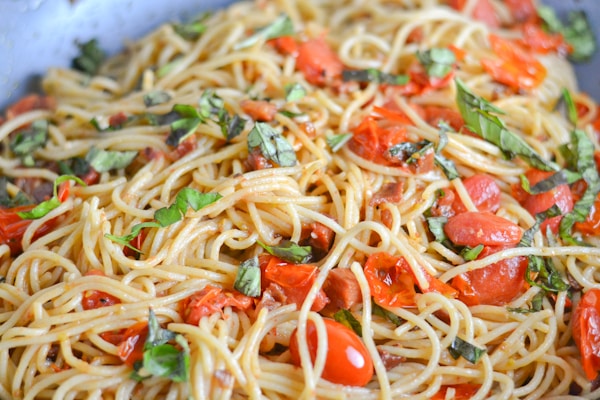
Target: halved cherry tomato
372,138
93,299
586,332
12,227
462,391
184,147
259,110
484,192
348,361
514,67
136,242
543,42
295,280
210,300
436,114
522,10
318,62
392,281
131,349
483,11
473,228
496,284
591,225
29,103
561,196
285,45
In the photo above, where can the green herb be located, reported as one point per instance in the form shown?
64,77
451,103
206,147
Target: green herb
436,227
577,32
464,349
281,26
6,201
90,58
105,160
410,152
476,112
546,276
336,142
272,145
561,177
373,75
168,67
289,251
210,104
46,206
376,309
161,358
447,166
26,141
438,62
346,318
527,237
185,126
290,114
191,30
231,126
470,254
74,166
247,280
567,100
156,97
294,92
536,304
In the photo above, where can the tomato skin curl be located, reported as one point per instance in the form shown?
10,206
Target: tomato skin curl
474,228
586,332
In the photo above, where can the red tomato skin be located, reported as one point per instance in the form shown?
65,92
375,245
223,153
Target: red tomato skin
591,225
483,11
521,10
586,332
13,227
483,190
348,361
473,228
462,391
318,62
131,349
210,300
496,284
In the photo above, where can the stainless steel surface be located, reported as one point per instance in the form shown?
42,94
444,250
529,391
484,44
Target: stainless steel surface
38,34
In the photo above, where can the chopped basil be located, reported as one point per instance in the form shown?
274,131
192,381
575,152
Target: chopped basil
536,304
191,30
376,309
105,160
470,254
561,177
410,152
336,142
436,227
577,33
437,62
20,199
156,97
289,251
74,166
545,275
28,140
527,237
464,349
569,104
447,166
184,127
210,104
168,67
290,114
231,126
346,318
373,75
90,58
161,358
281,26
272,145
247,280
476,113
46,206
294,92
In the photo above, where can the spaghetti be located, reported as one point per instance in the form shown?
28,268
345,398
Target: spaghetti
185,221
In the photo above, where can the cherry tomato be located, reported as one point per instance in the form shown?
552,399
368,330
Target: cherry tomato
514,67
210,300
586,331
131,349
29,103
543,42
496,284
591,225
372,139
483,11
522,10
561,196
13,227
259,110
136,242
473,228
462,391
484,192
348,361
285,45
93,299
435,114
318,62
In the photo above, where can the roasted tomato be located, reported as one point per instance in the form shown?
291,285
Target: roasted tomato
473,228
586,332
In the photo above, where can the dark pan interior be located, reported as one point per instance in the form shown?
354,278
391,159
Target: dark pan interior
38,34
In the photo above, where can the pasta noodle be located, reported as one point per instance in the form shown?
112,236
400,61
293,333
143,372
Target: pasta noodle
246,114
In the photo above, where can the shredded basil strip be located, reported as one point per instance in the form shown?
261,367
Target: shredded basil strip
272,145
90,58
156,97
373,75
294,92
564,176
577,32
184,127
168,67
28,140
438,62
290,114
470,254
527,237
446,165
46,206
410,152
20,199
247,279
346,318
289,251
191,30
567,100
461,348
376,309
105,160
281,26
336,142
536,304
476,112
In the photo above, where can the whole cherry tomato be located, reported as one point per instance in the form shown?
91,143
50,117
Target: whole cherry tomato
348,361
473,228
586,331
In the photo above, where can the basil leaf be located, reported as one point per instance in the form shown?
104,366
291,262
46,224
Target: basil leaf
20,199
105,160
74,166
438,62
135,230
376,309
346,318
272,145
536,304
527,237
336,142
191,30
156,334
577,32
156,97
290,114
247,279
231,126
568,102
184,127
281,26
294,92
168,67
46,206
447,166
410,152
546,276
373,75
26,141
210,104
470,254
464,349
561,177
90,58
436,227
289,251
476,113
